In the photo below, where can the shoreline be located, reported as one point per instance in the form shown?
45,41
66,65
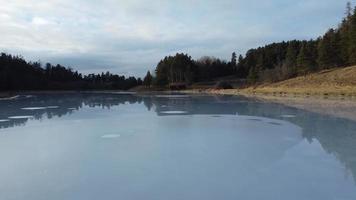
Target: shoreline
332,105
7,95
340,106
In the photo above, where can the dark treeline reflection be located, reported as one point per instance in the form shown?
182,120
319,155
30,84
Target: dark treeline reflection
337,136
57,105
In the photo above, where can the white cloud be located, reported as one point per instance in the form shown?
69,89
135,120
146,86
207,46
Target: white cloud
38,21
135,34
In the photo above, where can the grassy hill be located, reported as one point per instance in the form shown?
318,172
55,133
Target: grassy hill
333,82
339,81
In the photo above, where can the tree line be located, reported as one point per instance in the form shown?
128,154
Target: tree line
270,63
182,68
17,74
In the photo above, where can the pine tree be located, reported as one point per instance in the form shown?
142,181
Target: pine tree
147,81
329,50
291,57
348,11
312,47
233,58
240,71
352,39
344,34
303,60
252,75
306,60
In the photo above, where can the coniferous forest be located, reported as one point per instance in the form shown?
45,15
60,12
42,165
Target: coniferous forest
271,63
17,74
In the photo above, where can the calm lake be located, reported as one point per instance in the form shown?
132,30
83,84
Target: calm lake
171,147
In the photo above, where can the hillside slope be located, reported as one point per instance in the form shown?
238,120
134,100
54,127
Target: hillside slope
339,81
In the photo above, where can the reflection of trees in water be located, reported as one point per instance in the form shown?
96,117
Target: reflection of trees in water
60,105
336,136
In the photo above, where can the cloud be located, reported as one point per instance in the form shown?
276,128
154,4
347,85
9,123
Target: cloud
38,21
130,36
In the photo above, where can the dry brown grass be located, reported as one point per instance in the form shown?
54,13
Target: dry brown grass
328,82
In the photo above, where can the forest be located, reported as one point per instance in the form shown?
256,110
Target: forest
17,74
271,63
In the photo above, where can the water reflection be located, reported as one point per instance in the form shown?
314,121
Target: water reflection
336,136
14,112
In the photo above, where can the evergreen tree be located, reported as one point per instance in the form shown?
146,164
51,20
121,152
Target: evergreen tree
312,48
329,51
303,60
348,11
147,81
352,39
240,71
233,62
344,43
252,75
291,57
306,60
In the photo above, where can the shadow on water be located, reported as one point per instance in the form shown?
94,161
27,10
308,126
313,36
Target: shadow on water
337,136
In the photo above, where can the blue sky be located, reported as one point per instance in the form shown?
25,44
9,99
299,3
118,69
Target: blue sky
130,36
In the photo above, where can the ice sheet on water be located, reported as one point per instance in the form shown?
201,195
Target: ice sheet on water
255,119
288,116
173,96
34,108
52,107
10,98
174,112
108,136
275,123
4,120
20,117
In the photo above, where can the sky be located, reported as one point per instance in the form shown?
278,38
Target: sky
129,37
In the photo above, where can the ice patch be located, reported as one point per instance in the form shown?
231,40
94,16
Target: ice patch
123,93
20,117
172,96
275,123
34,108
108,136
11,98
288,116
52,107
258,120
4,120
174,112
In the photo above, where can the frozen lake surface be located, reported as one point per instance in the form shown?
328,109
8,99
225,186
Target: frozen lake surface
171,147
